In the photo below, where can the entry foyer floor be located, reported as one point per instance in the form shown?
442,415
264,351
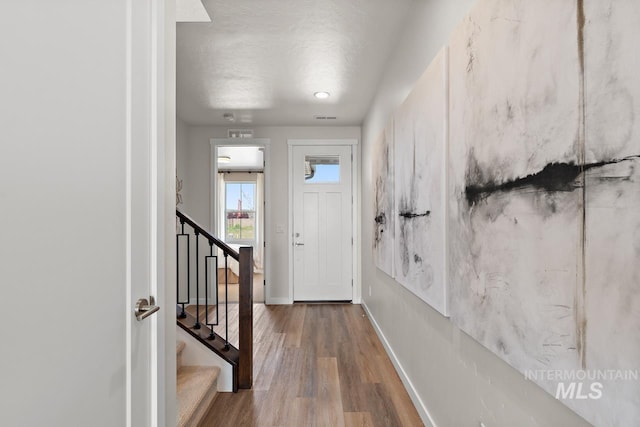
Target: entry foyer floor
316,365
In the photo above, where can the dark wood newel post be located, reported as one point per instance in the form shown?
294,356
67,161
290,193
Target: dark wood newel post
245,305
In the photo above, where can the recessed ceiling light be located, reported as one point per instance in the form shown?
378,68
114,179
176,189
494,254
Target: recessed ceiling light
321,95
224,159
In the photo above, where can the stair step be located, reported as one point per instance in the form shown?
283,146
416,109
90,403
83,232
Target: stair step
196,388
231,276
180,345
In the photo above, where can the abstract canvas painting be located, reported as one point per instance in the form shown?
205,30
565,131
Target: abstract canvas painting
544,208
507,192
384,213
420,133
612,194
515,192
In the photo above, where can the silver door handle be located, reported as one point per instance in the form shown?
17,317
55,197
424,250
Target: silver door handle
144,309
298,244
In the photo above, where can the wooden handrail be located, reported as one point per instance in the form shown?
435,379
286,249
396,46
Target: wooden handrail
226,249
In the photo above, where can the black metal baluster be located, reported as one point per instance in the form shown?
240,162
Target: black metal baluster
182,315
212,336
217,296
197,324
226,301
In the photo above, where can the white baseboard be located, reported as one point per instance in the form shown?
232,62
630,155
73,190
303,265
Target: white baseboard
413,394
288,301
279,301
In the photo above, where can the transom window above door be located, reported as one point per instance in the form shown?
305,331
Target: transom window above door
322,169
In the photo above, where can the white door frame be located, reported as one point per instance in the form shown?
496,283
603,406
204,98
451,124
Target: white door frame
150,113
355,211
157,114
213,206
166,109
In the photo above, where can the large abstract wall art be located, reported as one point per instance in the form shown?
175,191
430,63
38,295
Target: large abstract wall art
544,207
522,141
420,133
383,241
515,205
612,196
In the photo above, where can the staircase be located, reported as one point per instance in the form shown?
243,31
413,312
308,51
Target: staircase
200,273
196,389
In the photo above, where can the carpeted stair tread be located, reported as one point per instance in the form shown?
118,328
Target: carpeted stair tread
196,388
180,345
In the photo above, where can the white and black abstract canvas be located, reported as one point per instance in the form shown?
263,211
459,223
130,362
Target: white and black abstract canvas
545,191
515,191
420,135
612,193
384,219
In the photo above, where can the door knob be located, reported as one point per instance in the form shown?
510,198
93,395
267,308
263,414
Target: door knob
298,244
144,309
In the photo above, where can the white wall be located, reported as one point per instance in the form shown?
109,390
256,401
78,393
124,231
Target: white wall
196,354
168,336
197,186
182,139
457,381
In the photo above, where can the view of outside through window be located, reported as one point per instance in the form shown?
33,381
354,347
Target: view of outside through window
322,169
240,209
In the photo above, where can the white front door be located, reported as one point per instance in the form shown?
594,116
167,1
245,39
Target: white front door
83,208
322,223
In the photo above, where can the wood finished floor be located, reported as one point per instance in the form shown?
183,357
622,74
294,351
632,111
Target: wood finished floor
316,365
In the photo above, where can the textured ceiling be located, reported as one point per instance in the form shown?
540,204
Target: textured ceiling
262,60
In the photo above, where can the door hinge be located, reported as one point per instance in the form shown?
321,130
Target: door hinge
264,283
352,283
264,244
